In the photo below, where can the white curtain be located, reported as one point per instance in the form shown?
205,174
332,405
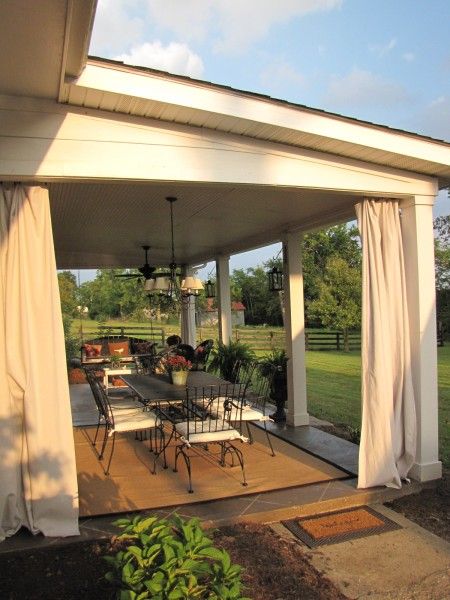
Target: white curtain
388,433
38,484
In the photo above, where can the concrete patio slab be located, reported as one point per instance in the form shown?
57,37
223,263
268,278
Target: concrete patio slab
406,564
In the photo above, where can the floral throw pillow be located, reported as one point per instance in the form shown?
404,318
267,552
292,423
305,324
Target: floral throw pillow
92,350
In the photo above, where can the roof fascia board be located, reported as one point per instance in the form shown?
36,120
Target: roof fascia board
204,98
77,37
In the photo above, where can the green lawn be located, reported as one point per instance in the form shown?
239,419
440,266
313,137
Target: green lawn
334,383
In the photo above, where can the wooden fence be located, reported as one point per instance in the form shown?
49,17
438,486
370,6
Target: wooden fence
155,334
261,340
264,340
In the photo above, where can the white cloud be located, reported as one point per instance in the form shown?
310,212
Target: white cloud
382,49
434,120
115,27
279,76
175,58
234,24
408,56
362,88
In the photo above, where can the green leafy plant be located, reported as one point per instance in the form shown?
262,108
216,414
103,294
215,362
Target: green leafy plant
225,357
115,360
170,560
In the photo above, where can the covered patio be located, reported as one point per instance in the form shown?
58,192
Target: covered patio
108,143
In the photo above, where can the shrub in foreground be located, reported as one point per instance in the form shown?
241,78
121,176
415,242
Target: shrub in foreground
170,560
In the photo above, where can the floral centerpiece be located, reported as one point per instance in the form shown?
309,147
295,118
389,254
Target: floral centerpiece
178,367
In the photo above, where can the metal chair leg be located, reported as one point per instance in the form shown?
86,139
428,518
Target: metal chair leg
96,431
187,460
250,435
112,452
105,440
268,439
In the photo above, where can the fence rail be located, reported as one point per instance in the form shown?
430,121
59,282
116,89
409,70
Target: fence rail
155,334
266,340
260,340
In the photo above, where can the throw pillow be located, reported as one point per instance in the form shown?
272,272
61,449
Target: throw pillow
119,348
92,350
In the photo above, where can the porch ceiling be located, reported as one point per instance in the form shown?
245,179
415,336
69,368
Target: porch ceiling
105,225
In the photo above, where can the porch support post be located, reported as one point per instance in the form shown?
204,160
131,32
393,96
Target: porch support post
188,325
297,408
418,246
224,298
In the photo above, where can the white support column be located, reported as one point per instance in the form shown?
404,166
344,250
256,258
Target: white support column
297,409
188,325
224,298
418,246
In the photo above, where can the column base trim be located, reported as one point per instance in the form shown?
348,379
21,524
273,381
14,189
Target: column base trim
297,420
426,472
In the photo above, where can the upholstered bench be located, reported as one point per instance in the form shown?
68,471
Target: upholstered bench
128,349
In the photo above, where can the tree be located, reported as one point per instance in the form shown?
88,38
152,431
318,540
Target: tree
68,293
251,287
442,266
442,252
338,304
320,246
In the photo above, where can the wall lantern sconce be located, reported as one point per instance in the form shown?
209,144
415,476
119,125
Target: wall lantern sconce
275,276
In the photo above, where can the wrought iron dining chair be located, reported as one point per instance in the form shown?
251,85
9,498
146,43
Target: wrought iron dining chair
212,417
201,355
257,394
123,419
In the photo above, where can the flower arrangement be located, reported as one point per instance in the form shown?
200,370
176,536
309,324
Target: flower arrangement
177,363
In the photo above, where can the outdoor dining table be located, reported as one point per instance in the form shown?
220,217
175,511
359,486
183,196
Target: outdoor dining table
155,390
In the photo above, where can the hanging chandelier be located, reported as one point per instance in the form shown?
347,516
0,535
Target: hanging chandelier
168,284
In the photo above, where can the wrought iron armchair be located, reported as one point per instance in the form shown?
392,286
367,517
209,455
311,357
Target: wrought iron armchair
120,419
212,416
257,394
201,355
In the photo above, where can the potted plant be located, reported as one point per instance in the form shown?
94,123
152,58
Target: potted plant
115,360
226,356
274,366
178,368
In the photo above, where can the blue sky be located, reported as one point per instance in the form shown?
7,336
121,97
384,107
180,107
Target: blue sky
386,62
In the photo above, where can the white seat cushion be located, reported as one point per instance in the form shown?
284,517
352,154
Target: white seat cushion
205,437
252,414
133,420
125,403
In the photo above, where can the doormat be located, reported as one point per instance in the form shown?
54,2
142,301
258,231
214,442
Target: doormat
335,527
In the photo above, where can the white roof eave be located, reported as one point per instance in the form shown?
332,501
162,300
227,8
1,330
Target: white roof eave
215,107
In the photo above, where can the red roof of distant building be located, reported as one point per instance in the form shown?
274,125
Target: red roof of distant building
237,306
234,305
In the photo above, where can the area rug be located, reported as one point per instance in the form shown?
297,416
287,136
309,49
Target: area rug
335,527
131,485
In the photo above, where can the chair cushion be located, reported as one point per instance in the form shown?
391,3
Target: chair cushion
133,420
124,404
252,414
228,434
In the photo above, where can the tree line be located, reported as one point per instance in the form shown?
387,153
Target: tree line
332,285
